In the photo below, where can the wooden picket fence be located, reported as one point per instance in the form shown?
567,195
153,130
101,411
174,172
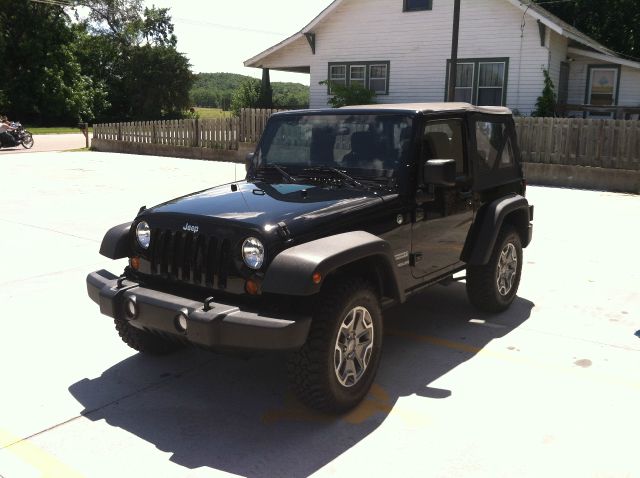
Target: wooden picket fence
602,143
220,133
253,122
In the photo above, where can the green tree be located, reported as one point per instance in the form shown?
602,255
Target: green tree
546,104
156,83
133,50
246,96
614,23
217,89
353,94
42,79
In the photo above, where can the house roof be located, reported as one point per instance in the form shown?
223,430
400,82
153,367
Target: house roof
527,6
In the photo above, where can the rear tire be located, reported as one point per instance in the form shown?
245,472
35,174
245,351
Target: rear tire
492,287
144,342
335,368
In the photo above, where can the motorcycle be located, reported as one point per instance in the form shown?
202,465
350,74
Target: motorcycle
21,135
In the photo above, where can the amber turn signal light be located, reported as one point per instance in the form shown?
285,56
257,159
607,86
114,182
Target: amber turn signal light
135,263
316,278
251,287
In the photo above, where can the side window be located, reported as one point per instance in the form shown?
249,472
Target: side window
494,158
494,146
444,140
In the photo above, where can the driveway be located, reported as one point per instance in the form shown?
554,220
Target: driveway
50,142
548,388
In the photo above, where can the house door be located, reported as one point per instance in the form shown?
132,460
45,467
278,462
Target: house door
445,214
602,89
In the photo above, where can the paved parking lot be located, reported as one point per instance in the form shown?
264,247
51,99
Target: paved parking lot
549,388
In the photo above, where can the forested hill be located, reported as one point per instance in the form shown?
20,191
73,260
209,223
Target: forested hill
217,89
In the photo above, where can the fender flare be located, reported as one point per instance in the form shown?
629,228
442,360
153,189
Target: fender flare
115,244
483,235
291,271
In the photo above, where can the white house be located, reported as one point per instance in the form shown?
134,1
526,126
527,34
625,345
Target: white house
401,48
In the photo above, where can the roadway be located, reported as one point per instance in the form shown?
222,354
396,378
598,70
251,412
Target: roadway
50,143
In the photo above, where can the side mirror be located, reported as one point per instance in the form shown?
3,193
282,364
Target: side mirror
248,162
439,172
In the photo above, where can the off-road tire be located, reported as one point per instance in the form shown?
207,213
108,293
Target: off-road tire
144,342
311,369
482,283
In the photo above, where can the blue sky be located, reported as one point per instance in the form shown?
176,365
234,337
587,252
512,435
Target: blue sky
219,35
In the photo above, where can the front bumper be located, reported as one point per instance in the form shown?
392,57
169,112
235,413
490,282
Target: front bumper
221,326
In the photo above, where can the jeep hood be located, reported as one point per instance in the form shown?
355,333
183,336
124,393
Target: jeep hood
261,205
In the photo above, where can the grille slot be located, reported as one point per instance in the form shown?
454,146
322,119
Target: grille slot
190,257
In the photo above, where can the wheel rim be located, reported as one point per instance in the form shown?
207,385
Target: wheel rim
354,346
27,142
507,268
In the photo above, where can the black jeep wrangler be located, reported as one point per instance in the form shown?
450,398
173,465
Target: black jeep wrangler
343,213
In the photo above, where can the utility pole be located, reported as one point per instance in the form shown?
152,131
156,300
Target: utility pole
453,71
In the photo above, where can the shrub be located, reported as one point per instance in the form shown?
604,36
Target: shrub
353,94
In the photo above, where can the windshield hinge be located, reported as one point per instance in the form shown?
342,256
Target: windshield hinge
283,231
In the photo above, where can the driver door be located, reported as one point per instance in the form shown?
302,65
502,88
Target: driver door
444,214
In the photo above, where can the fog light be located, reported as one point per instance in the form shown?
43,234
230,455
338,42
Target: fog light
180,322
130,308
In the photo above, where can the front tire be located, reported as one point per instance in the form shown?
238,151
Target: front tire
27,141
492,287
335,368
144,342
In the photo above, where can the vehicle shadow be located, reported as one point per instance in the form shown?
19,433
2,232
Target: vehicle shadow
235,415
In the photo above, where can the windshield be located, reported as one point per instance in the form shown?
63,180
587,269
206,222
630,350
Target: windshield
364,146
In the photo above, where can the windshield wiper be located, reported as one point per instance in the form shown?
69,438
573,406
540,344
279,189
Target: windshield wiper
282,172
337,172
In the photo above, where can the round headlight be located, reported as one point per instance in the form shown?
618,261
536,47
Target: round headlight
253,253
143,234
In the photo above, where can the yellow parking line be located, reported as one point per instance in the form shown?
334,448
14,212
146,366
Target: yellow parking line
48,465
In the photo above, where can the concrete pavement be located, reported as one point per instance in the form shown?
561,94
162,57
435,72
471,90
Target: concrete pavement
50,142
548,388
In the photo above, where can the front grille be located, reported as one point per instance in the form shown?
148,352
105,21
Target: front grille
190,257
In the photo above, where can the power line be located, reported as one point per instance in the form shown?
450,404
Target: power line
57,3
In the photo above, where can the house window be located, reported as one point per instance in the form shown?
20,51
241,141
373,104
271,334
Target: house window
491,84
338,74
602,88
369,74
480,81
464,82
417,5
357,75
378,79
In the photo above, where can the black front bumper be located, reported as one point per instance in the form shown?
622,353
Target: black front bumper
222,326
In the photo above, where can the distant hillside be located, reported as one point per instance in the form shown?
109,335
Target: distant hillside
215,90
